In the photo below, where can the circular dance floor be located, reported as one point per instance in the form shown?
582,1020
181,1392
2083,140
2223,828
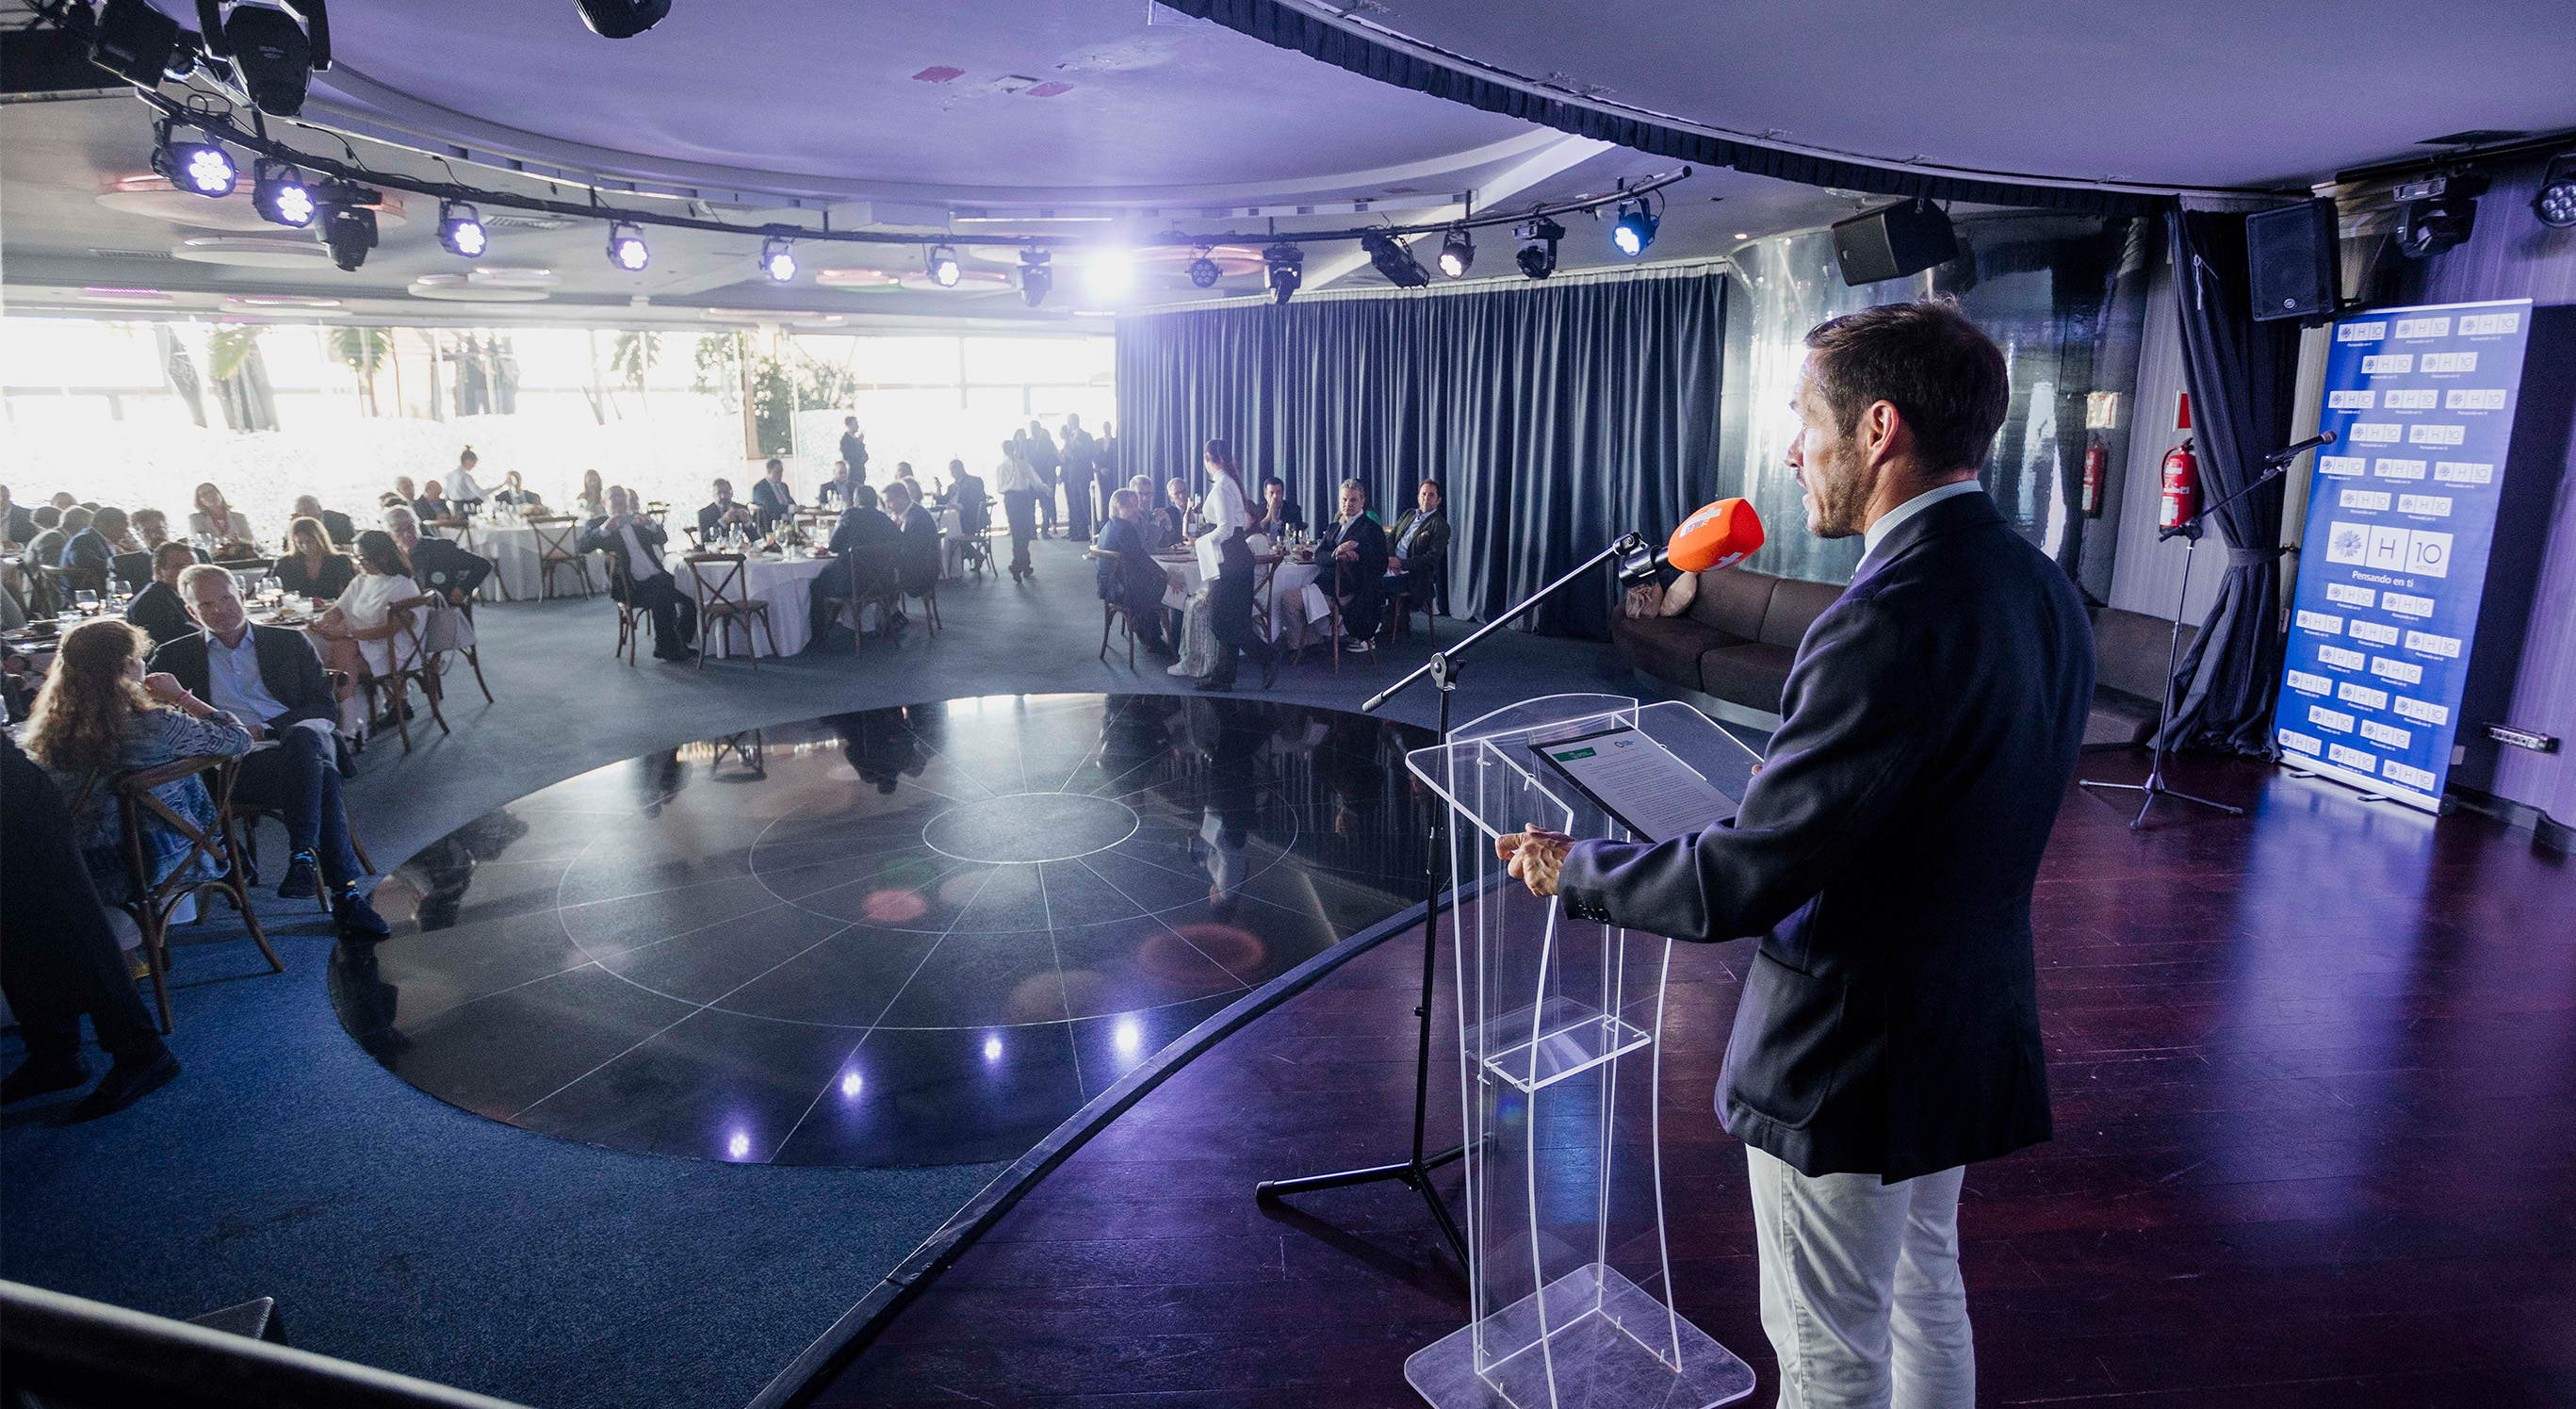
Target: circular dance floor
907,936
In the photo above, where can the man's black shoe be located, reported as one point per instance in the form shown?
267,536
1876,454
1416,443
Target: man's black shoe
1270,671
38,1075
355,917
125,1083
300,882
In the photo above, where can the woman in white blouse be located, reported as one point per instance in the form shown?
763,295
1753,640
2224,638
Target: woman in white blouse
213,516
363,631
1230,600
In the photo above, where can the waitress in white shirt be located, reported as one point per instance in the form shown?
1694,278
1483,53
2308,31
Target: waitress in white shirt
1230,602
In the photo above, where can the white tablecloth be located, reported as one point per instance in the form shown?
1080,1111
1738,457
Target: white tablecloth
779,582
1282,592
513,551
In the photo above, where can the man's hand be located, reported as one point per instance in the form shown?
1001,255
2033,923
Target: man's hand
1395,565
1536,854
1348,552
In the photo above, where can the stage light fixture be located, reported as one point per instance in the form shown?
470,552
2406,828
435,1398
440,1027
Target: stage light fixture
1457,253
2436,213
778,259
1634,230
460,229
278,193
137,43
1203,270
1286,264
622,19
943,267
1110,272
1394,261
626,248
1037,276
202,166
2556,203
1537,256
275,59
348,224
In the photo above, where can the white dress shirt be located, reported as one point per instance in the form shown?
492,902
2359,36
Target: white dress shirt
1015,474
233,684
1224,507
640,565
1889,521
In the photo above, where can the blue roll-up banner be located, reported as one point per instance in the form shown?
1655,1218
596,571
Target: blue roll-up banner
2401,514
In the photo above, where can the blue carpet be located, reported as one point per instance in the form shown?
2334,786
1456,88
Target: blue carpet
407,1234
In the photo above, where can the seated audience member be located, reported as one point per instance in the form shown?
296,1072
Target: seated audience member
516,493
1174,511
966,491
403,489
90,555
436,564
62,959
725,511
1128,573
920,536
364,630
1354,554
1276,513
157,609
835,493
1418,549
431,507
268,678
335,524
17,521
46,546
592,502
861,526
631,536
99,715
463,493
212,517
771,497
313,566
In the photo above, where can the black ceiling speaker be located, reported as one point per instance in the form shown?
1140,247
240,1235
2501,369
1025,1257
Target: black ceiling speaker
1894,241
2291,254
622,19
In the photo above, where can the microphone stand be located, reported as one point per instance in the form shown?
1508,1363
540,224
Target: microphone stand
2189,530
1414,1171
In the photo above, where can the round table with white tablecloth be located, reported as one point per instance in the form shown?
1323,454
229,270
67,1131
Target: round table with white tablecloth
1279,594
778,580
517,571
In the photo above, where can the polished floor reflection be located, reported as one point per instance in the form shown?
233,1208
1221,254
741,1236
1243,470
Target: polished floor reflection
907,936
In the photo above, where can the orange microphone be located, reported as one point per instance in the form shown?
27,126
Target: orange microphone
1719,535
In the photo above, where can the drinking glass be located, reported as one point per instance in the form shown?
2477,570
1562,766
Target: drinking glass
87,601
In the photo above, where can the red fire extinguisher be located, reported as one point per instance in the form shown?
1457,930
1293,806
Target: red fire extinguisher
2097,464
2181,488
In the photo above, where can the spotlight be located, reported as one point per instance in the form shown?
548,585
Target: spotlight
202,166
943,267
1110,273
778,259
1537,257
460,229
1457,253
1037,276
136,43
1287,266
1394,261
275,59
2436,213
1203,270
626,248
622,19
348,225
280,196
1635,229
2556,203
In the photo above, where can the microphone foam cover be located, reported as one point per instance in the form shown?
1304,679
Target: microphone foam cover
1719,535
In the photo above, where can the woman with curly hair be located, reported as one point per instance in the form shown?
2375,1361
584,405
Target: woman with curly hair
100,715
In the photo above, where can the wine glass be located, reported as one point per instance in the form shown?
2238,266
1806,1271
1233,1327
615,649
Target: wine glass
87,601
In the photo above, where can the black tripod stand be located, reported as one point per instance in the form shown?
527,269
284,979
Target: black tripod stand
1415,1172
2189,530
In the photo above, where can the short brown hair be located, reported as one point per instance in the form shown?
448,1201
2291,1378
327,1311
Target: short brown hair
1943,375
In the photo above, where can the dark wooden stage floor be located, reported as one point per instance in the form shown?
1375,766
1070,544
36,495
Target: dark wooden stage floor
2315,1084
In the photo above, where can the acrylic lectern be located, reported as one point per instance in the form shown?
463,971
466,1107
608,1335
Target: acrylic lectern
1559,1027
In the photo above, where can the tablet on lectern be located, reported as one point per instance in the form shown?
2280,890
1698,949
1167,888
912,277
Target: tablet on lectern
1637,781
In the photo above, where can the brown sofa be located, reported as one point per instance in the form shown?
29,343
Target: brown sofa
1730,652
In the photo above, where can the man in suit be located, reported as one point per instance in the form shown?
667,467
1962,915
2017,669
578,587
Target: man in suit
1128,573
269,678
1889,1029
1048,466
854,449
771,498
920,536
862,525
1417,558
17,522
725,510
90,555
158,608
835,493
335,525
437,564
1354,559
635,540
1276,513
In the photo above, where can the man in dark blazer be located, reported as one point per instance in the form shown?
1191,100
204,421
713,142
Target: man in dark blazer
1128,574
725,510
632,537
1353,555
437,564
157,608
270,679
335,525
1889,1029
1417,555
920,534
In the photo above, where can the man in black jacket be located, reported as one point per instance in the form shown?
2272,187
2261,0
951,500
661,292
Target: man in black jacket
854,449
1889,1028
437,564
269,678
157,608
635,540
335,525
1353,556
862,525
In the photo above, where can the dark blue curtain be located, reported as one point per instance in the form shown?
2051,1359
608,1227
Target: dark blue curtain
1557,416
2243,377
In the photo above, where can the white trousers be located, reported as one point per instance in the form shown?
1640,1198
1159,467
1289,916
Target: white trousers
1861,1294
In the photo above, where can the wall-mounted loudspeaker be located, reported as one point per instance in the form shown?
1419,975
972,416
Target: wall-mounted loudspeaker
2292,254
1894,241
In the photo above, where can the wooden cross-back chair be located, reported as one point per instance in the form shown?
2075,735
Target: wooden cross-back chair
630,617
723,600
150,900
864,575
468,539
558,551
1113,610
413,664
